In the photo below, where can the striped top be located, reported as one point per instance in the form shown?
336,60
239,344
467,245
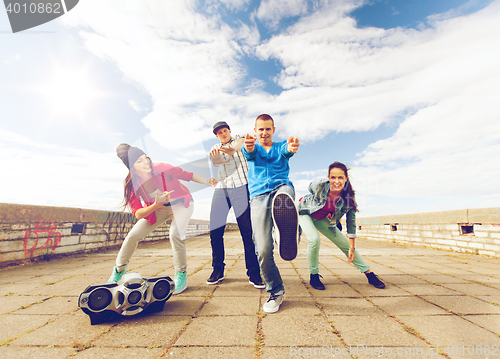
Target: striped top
234,173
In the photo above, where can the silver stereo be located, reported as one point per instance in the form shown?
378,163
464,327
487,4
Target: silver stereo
129,296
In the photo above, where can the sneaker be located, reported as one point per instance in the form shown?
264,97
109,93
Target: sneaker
216,276
286,220
180,282
316,282
116,276
373,280
273,303
257,281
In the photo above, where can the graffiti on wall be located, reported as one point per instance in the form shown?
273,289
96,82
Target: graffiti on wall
45,231
115,224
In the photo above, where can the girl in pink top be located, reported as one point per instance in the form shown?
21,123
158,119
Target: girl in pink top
154,194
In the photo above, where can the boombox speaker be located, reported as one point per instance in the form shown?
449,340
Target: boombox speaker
129,296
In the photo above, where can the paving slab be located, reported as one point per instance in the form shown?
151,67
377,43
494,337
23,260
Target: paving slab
220,331
433,298
374,331
463,304
308,331
451,331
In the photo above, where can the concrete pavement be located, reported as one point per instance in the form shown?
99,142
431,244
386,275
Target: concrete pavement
437,304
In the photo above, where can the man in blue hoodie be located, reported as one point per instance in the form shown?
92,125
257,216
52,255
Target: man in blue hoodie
271,203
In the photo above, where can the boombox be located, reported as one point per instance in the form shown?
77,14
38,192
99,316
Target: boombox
129,296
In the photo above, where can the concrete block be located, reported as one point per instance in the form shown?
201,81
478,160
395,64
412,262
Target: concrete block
446,242
69,241
480,234
12,256
11,246
476,245
427,234
94,245
94,238
68,249
494,248
13,234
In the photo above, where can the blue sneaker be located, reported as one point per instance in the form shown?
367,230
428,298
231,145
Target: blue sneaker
116,276
180,282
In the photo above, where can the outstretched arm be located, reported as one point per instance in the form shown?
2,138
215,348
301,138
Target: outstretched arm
211,182
293,144
250,142
216,157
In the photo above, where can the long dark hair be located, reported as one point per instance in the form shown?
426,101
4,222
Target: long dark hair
129,184
348,193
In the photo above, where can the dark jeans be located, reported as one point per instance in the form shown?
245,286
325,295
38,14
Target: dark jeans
222,201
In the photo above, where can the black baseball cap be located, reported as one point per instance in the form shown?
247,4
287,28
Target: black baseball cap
219,125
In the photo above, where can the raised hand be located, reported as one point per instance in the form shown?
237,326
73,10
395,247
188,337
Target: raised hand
163,198
250,142
211,182
293,144
227,150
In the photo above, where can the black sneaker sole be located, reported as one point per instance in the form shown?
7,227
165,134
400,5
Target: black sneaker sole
258,286
286,219
217,281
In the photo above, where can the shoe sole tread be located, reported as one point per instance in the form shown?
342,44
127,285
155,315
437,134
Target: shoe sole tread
286,219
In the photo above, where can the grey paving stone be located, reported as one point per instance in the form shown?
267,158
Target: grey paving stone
194,352
143,331
231,306
112,353
463,304
66,330
451,330
14,302
490,322
335,291
474,289
307,331
428,289
407,305
220,331
349,306
14,325
16,352
54,305
374,331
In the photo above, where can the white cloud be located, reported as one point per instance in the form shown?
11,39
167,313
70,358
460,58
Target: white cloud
51,175
186,61
439,83
272,12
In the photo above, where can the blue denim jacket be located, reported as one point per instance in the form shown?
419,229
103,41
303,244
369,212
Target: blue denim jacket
316,199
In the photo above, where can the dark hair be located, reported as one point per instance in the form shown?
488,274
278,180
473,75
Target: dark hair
348,193
264,117
129,186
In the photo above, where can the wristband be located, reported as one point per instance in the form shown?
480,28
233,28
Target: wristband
352,248
207,181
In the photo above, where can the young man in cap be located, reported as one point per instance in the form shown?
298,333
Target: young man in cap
272,203
231,191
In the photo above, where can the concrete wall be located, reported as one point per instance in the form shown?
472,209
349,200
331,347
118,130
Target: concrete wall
467,230
34,232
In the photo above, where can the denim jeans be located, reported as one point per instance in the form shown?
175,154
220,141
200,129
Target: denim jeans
222,201
262,225
311,228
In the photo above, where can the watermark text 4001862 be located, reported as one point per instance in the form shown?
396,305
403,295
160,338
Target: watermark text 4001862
26,14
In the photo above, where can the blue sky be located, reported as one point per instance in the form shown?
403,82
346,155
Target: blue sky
404,92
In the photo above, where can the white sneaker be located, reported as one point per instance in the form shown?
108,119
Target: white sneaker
273,303
286,221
